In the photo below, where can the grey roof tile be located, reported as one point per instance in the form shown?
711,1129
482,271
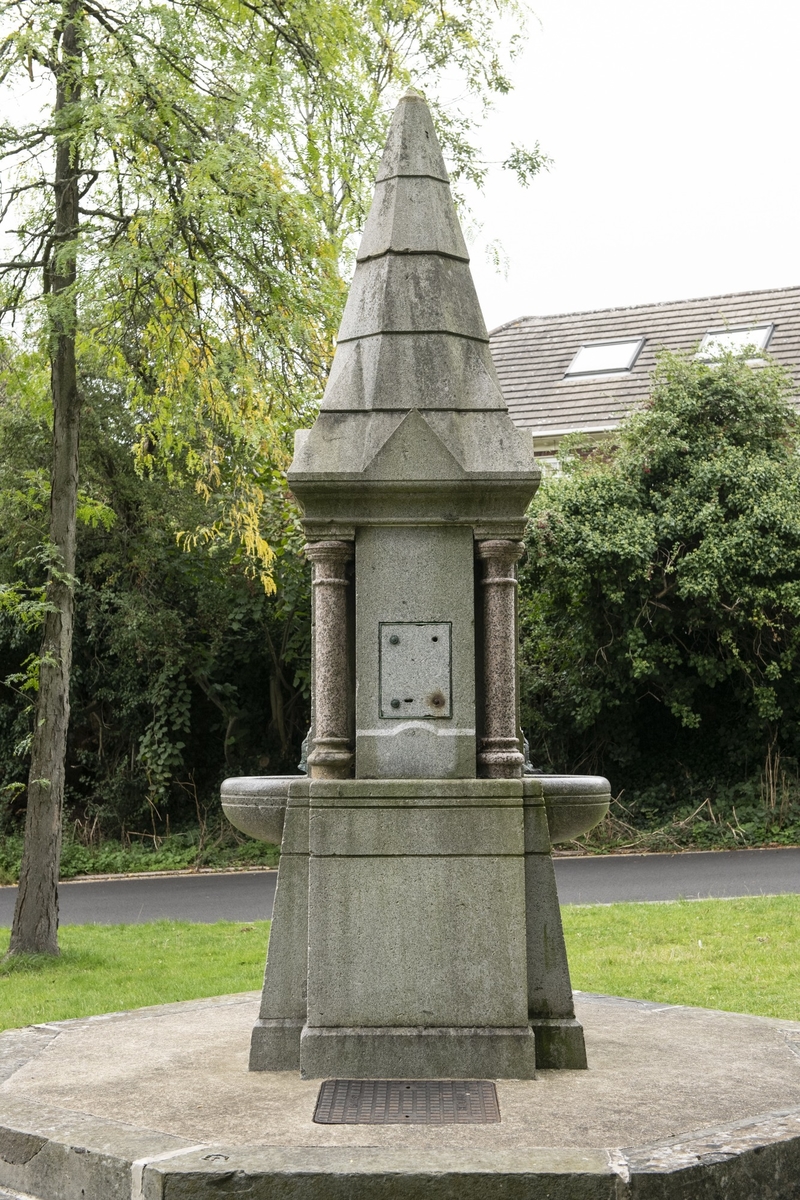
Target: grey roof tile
532,354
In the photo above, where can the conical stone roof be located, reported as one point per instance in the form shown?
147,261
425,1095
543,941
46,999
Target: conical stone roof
412,305
412,341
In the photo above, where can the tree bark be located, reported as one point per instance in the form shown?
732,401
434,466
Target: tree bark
35,926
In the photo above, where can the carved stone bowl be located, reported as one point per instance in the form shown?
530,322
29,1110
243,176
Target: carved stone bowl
256,804
574,803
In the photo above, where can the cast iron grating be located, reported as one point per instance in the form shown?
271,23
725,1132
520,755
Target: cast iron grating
407,1102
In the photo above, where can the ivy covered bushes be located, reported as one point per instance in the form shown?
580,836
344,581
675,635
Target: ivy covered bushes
661,609
184,669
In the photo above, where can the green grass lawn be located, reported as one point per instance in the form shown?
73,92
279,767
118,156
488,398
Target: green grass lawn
106,968
742,955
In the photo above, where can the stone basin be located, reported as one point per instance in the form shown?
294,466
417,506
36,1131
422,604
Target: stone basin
574,803
256,804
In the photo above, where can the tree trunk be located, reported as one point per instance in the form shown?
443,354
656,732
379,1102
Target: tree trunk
35,927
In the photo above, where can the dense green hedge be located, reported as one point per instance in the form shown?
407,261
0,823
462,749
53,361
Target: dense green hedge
184,671
661,597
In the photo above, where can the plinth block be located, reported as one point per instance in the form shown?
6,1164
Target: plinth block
418,1053
560,1043
275,1044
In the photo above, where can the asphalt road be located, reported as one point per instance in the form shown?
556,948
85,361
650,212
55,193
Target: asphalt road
243,896
248,896
693,876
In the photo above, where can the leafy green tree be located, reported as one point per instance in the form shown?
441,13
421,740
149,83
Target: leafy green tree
182,198
661,597
174,680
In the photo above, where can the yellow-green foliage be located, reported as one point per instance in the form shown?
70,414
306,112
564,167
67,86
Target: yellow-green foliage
226,153
108,968
739,955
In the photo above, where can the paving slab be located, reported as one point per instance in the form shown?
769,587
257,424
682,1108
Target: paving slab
158,1104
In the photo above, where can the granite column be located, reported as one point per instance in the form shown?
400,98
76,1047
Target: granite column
332,753
499,755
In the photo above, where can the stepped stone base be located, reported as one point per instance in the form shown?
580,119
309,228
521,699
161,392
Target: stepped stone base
158,1104
275,1044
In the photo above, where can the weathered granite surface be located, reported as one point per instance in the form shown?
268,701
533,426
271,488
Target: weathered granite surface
275,1041
410,574
679,1103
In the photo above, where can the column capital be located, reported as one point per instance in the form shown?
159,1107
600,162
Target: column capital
499,550
329,551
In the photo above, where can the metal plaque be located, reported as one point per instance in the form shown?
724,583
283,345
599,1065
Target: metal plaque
415,669
407,1102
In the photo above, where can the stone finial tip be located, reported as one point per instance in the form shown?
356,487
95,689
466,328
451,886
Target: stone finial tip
412,94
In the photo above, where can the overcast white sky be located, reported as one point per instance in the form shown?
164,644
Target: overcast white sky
675,130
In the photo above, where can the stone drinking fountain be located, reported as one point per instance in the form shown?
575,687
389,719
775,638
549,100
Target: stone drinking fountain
416,929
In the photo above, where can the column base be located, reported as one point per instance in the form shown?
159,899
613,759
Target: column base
417,1053
275,1044
559,1043
500,758
331,758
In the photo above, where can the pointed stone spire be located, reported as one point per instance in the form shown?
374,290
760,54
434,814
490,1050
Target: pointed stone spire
412,335
412,392
412,148
412,211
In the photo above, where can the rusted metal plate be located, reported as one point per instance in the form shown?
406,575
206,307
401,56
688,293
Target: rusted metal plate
407,1102
415,668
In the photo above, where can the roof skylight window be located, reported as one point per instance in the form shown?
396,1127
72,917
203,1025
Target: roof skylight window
734,341
603,358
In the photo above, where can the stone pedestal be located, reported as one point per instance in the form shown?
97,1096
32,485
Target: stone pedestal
403,856
416,929
275,1044
416,954
551,1011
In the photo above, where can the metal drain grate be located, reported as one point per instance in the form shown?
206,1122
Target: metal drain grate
407,1102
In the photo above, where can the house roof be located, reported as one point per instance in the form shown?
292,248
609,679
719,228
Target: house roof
532,354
